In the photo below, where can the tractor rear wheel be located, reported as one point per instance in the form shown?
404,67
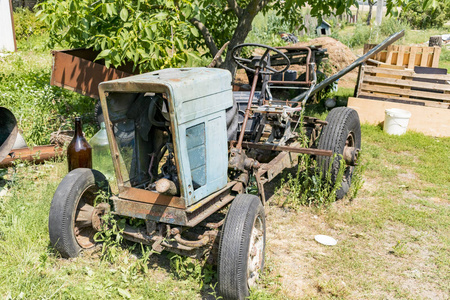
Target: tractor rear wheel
242,245
73,219
342,135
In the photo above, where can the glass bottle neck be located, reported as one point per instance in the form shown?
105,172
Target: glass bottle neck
78,128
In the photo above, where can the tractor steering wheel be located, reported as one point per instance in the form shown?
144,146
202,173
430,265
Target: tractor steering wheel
260,62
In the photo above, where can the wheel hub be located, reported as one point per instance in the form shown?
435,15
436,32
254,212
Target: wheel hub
256,252
350,153
88,218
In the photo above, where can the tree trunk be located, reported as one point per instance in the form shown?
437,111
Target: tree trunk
435,41
243,28
369,16
379,12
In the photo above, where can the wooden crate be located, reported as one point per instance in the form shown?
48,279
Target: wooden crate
407,56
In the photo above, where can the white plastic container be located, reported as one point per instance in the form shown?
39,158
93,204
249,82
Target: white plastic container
396,121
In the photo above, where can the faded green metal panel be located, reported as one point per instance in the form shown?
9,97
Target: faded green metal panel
195,95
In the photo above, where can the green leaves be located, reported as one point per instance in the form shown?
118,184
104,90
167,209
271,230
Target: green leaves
152,35
124,14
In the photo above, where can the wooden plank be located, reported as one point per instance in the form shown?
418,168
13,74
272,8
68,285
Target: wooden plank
401,53
360,79
428,120
436,56
409,83
389,55
394,54
398,91
391,67
406,56
443,105
424,59
412,57
378,56
407,73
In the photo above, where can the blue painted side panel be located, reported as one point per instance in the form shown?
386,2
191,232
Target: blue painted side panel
196,147
211,164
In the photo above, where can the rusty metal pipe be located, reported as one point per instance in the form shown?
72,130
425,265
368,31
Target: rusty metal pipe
203,241
37,155
269,147
247,110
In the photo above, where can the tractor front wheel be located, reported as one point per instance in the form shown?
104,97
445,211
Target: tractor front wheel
74,219
242,245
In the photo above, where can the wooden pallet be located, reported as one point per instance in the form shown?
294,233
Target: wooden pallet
407,56
426,96
403,85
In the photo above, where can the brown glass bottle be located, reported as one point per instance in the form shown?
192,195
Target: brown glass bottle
79,152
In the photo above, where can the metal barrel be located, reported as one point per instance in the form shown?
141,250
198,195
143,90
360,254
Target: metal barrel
8,132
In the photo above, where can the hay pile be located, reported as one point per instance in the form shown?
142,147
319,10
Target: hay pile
340,55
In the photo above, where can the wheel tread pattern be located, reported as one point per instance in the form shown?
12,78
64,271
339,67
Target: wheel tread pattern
234,246
340,121
63,206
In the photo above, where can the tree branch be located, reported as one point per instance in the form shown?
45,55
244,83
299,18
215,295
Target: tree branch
235,7
253,8
206,35
217,57
262,4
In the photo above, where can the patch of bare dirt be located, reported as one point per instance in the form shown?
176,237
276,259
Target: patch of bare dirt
395,261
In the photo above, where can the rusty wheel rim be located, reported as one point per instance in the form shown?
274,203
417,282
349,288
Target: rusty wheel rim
350,153
256,252
82,227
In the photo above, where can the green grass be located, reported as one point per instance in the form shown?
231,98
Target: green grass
29,268
38,107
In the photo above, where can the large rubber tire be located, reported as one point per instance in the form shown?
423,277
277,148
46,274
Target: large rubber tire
343,130
78,188
242,246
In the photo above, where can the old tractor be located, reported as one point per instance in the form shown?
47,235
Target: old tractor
186,149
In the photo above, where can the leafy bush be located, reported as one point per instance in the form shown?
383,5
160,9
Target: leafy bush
390,26
445,54
26,24
151,35
266,29
193,269
39,108
361,35
310,186
422,15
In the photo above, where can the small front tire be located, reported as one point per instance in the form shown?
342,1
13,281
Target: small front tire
242,247
70,220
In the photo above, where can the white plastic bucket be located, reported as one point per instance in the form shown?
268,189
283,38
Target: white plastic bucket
396,121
